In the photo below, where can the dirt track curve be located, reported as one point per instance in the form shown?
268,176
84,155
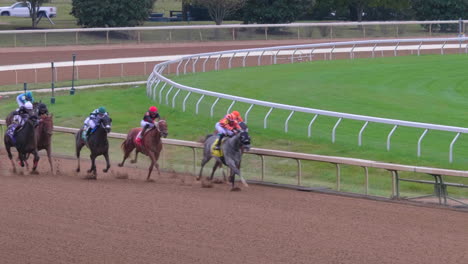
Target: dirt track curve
120,218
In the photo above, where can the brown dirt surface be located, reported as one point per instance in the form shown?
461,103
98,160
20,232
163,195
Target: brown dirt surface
120,218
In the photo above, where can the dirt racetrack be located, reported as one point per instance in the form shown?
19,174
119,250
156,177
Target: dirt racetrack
120,218
66,219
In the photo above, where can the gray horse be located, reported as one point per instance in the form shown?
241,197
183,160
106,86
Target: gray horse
232,148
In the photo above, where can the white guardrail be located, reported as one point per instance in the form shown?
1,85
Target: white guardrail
228,32
157,83
337,161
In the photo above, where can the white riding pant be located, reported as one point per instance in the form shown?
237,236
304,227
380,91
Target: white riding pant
89,122
143,123
18,101
222,130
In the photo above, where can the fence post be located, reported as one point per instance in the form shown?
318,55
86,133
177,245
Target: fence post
72,90
52,99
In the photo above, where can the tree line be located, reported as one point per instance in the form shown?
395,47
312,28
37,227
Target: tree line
122,13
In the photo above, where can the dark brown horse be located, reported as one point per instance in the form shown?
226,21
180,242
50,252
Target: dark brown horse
25,144
97,143
151,145
44,136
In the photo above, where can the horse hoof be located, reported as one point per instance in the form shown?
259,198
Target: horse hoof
35,172
235,189
217,181
105,170
77,170
197,178
206,184
120,164
133,161
89,171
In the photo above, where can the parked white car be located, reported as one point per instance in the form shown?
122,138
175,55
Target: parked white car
21,9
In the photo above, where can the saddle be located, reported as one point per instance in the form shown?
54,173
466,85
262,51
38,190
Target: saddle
218,152
146,132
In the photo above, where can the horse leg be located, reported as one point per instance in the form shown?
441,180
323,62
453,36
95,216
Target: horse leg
234,170
205,160
217,164
10,156
50,160
136,157
36,161
79,145
93,165
106,156
153,161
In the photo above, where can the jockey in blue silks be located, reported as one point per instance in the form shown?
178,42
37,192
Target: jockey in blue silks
23,98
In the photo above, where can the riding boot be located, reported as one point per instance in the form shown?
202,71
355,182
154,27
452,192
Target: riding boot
218,144
140,137
17,128
88,132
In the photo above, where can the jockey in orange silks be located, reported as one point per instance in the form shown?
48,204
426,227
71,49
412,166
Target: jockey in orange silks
148,121
227,126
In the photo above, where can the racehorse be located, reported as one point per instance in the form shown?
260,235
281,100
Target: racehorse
96,142
151,145
25,143
232,149
44,136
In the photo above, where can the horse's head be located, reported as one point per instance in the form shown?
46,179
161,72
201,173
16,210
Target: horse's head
106,123
41,109
245,139
46,124
244,126
162,127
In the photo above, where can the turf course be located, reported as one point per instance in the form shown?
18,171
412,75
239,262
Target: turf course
424,89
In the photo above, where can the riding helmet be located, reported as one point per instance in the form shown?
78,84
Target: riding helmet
102,110
28,105
29,96
153,109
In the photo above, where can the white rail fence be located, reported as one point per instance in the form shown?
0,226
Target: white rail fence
161,88
231,32
393,169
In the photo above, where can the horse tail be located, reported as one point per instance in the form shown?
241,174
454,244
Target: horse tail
202,140
126,144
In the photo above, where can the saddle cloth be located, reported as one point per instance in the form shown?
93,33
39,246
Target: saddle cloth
217,153
139,133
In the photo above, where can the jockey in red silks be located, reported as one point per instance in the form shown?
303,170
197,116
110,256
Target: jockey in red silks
227,126
148,122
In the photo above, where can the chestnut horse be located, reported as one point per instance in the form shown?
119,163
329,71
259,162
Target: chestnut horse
151,145
44,136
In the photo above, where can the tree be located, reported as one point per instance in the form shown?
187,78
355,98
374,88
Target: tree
357,8
440,10
219,9
111,13
274,11
34,10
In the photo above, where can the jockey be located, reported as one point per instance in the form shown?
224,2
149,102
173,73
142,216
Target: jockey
93,118
23,98
226,126
21,116
148,121
238,117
